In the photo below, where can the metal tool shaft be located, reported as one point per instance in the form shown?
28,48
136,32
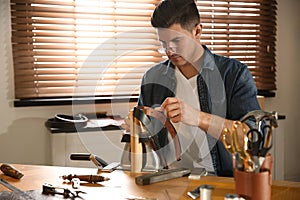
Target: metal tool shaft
10,186
15,189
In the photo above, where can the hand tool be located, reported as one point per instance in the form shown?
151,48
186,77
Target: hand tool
15,189
260,143
111,167
238,162
197,173
10,186
11,171
233,145
87,178
90,157
163,175
48,189
255,140
259,115
267,141
195,193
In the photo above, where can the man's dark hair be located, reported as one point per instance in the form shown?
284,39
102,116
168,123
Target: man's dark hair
169,12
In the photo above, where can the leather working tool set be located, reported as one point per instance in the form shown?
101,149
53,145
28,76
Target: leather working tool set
152,159
47,189
256,142
251,158
252,162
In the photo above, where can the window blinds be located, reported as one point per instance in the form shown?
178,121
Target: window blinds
76,48
245,30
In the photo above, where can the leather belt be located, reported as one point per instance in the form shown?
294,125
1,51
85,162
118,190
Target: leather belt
143,112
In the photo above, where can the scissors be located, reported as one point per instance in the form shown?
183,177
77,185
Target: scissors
260,143
233,145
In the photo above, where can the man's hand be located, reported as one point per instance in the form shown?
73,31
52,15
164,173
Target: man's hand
178,111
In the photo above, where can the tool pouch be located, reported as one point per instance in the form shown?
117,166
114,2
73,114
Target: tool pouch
152,158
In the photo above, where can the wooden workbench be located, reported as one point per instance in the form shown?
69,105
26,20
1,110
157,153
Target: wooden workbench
122,184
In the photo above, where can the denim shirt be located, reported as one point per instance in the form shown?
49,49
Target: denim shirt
225,86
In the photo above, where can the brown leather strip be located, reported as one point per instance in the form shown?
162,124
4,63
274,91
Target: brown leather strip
166,122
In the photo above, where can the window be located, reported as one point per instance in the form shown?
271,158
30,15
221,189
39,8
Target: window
245,30
101,48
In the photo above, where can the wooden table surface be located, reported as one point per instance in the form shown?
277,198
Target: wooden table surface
122,184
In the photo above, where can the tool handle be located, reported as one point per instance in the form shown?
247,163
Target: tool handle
89,157
87,178
11,171
80,156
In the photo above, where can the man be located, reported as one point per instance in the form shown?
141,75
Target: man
200,92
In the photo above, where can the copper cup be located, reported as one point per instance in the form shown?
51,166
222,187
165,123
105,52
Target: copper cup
255,186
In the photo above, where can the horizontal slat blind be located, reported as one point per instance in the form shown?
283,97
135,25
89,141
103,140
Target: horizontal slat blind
81,48
245,30
103,47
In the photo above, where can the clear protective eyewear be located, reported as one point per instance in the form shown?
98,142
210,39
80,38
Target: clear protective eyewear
163,50
171,46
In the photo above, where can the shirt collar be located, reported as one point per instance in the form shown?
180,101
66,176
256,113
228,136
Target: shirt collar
208,59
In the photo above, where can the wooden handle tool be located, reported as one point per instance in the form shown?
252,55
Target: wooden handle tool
11,171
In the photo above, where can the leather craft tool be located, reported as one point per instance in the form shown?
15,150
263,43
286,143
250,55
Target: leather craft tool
11,171
162,175
111,167
87,178
90,157
231,143
260,143
48,189
15,189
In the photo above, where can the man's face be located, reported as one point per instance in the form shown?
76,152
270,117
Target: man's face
180,45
